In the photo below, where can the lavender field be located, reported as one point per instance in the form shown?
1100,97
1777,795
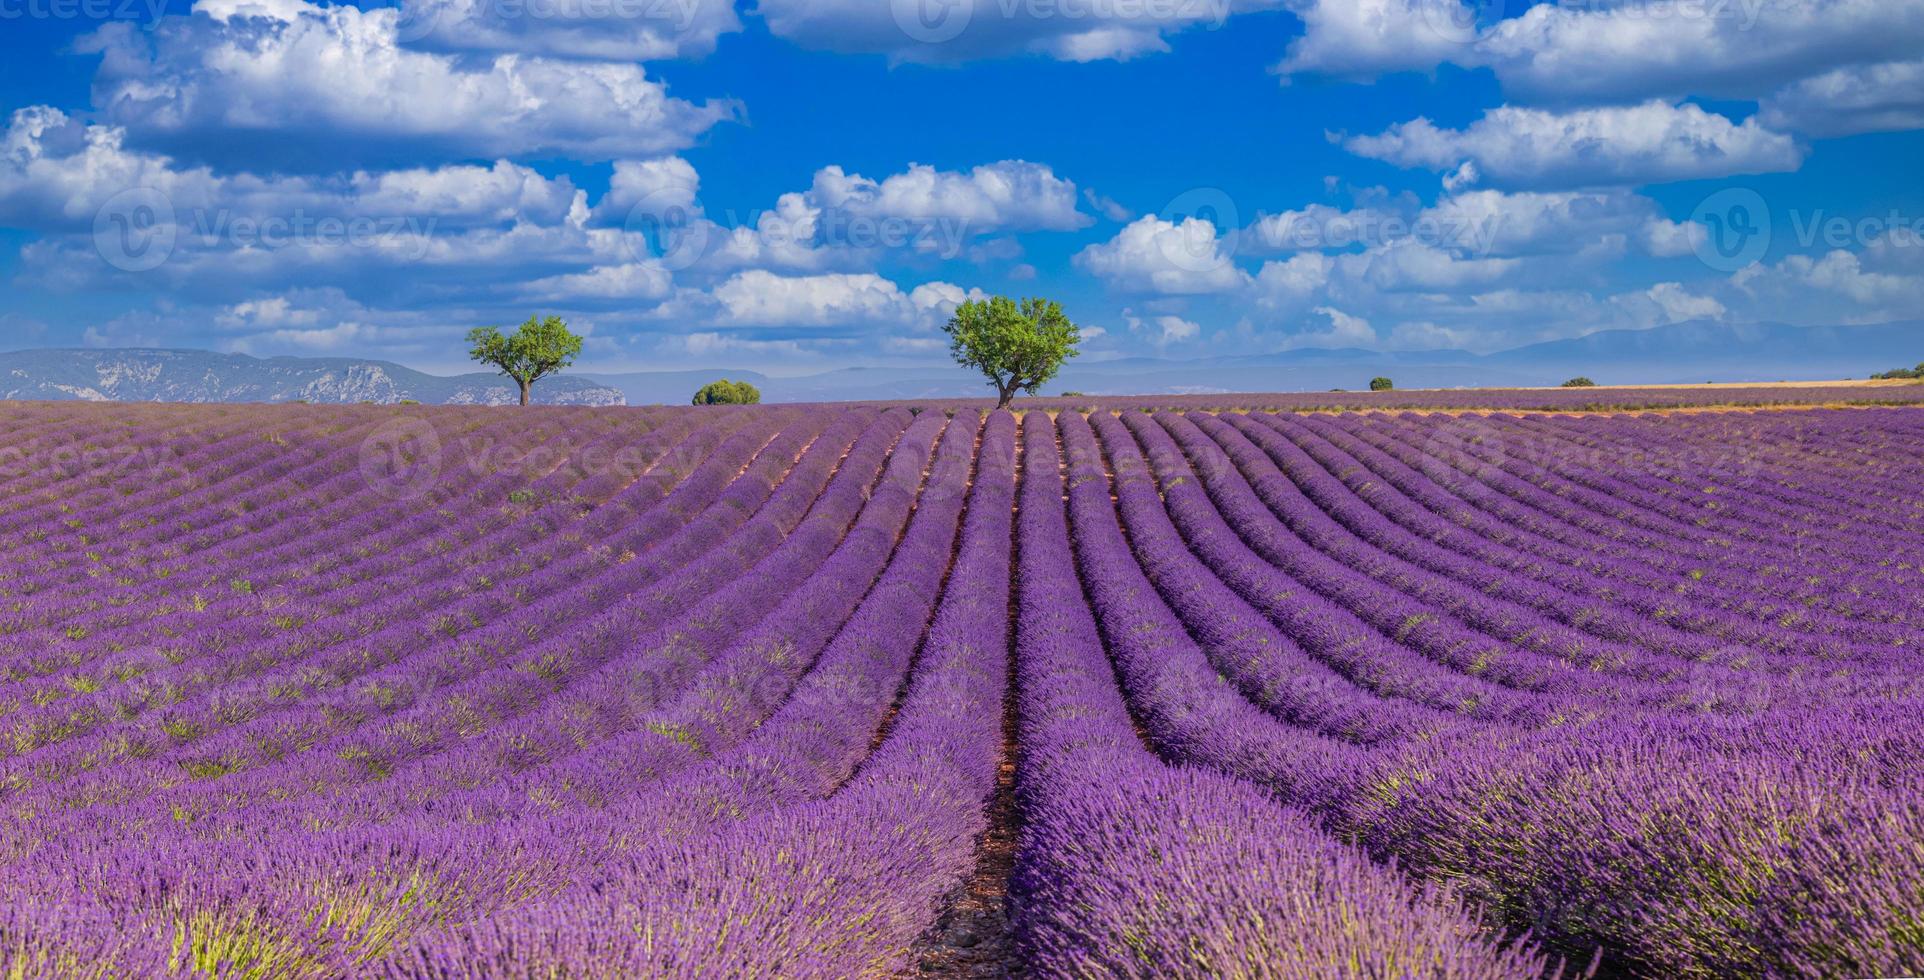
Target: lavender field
302,691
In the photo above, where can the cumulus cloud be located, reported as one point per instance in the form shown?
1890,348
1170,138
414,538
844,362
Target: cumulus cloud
326,82
1343,330
1290,283
1840,273
1858,99
1161,330
1362,38
1608,52
1412,265
604,30
662,185
1152,255
845,221
1654,142
1488,222
85,190
968,30
1009,195
758,298
1670,302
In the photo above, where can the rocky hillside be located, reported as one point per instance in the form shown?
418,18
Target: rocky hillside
204,376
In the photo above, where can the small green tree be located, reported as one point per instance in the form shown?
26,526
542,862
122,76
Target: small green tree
1381,384
1579,382
1018,346
541,347
726,392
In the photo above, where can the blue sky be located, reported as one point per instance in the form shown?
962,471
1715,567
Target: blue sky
793,185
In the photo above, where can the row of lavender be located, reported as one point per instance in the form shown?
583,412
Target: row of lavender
634,693
1613,399
1690,779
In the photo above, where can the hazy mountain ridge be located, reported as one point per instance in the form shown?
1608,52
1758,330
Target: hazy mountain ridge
204,376
1680,353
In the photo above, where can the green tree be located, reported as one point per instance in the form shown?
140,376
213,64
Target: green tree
1018,346
1579,382
726,392
541,347
1381,384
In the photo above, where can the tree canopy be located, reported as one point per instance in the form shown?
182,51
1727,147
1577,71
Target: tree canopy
1018,346
1579,382
542,346
1382,384
726,392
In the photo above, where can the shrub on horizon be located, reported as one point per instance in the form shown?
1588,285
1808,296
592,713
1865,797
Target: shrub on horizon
726,392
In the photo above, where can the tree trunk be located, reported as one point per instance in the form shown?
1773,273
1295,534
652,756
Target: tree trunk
527,388
1004,395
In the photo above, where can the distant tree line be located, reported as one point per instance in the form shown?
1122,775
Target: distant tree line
1901,374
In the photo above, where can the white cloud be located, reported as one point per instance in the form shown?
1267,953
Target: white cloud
1857,99
1152,255
1352,38
1344,330
1161,330
1608,52
967,30
1009,195
758,298
1670,302
1424,335
606,30
1841,273
1412,265
658,186
1664,238
1488,222
336,78
628,281
1290,283
1624,145
1732,50
1106,206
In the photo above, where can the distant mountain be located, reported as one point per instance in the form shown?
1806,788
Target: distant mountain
1685,353
1681,353
203,376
